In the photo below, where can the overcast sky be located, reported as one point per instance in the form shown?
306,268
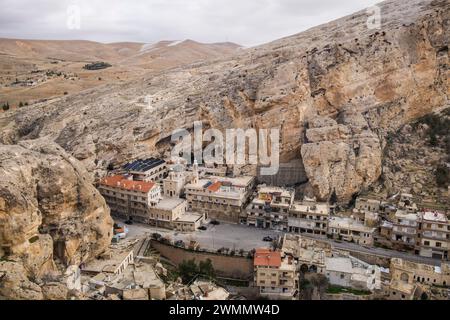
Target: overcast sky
247,22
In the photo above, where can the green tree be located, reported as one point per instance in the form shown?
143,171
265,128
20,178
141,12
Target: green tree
5,106
205,268
188,270
20,104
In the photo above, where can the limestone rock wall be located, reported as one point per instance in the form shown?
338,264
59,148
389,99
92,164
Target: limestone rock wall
51,216
384,77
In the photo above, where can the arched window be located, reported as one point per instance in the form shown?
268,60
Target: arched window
404,277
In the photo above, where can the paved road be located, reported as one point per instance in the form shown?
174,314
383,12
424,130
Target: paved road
230,236
238,237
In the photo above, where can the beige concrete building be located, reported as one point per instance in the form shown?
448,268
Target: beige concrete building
112,263
350,272
270,208
309,217
406,275
411,272
166,212
129,199
151,169
189,222
276,277
350,230
434,235
404,230
220,198
367,205
310,254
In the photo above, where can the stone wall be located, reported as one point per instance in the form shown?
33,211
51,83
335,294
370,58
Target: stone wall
227,266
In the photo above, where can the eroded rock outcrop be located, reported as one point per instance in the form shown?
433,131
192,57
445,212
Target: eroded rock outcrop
51,217
390,76
343,157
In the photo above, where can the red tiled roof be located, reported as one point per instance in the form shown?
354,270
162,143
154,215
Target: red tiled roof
215,186
122,183
267,258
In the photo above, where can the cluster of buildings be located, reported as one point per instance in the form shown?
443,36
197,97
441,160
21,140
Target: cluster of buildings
121,274
275,208
176,196
406,226
277,273
148,191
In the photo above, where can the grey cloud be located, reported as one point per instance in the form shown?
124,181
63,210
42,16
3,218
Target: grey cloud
247,22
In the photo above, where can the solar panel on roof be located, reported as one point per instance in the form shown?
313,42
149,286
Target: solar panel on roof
143,165
207,184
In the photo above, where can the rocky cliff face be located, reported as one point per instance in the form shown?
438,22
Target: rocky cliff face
51,216
335,91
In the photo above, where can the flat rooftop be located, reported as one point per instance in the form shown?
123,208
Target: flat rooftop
343,265
405,215
189,217
348,223
169,203
319,208
275,190
108,265
241,181
435,216
143,165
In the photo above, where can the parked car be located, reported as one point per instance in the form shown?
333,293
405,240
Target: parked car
214,222
268,239
179,243
203,228
156,236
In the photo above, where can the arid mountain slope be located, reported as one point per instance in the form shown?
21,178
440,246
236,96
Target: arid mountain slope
33,70
335,91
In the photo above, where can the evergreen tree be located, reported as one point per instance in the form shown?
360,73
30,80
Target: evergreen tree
206,269
188,270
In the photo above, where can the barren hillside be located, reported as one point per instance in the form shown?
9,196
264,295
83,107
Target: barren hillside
335,91
36,70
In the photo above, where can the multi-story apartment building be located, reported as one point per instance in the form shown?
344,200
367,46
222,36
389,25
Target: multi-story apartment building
309,217
434,235
129,199
270,208
350,230
151,169
275,277
142,202
404,230
220,198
